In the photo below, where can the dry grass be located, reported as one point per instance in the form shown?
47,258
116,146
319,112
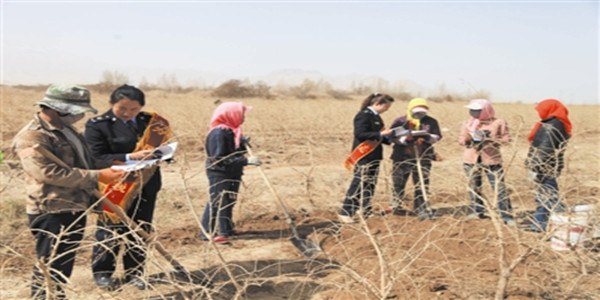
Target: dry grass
303,143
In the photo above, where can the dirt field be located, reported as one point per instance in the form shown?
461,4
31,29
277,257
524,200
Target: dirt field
303,144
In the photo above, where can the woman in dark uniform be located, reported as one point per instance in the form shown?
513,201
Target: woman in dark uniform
118,135
369,134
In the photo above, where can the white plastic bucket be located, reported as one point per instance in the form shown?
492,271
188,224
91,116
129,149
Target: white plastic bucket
570,231
584,208
590,210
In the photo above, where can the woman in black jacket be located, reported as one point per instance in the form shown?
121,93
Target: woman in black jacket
406,151
369,134
225,161
545,158
125,133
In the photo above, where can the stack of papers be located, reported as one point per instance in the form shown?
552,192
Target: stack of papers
167,151
401,131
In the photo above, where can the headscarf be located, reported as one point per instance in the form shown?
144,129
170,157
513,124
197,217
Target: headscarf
230,115
487,113
414,103
551,108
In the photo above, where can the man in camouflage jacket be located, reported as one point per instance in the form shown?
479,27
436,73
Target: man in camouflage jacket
58,194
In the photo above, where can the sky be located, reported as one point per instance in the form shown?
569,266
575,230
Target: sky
514,50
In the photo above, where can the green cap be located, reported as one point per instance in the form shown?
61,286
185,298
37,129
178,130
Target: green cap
69,99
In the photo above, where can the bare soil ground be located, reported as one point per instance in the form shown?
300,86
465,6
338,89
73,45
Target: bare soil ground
303,144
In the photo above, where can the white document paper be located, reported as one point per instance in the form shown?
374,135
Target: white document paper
167,150
401,131
419,133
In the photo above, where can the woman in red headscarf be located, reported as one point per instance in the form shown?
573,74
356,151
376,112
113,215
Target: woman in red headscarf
225,161
545,158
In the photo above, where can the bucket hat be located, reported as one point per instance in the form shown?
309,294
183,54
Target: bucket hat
67,99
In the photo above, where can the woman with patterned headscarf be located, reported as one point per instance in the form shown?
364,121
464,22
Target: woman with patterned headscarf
225,161
482,134
416,134
545,158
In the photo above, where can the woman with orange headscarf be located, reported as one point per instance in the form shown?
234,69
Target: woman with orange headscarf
225,161
545,158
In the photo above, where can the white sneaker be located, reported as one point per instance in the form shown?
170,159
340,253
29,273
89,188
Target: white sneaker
472,216
345,219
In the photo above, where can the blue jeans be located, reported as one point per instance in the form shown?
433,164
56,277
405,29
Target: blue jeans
495,175
546,198
219,209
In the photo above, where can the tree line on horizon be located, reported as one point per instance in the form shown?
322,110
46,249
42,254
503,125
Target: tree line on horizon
307,89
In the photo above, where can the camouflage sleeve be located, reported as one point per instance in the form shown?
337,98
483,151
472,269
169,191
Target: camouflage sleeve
44,170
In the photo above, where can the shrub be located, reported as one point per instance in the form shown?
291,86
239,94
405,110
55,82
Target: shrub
303,91
169,83
339,94
111,80
261,89
441,98
235,88
402,96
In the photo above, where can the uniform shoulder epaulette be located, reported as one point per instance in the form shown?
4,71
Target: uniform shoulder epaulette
144,115
102,118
